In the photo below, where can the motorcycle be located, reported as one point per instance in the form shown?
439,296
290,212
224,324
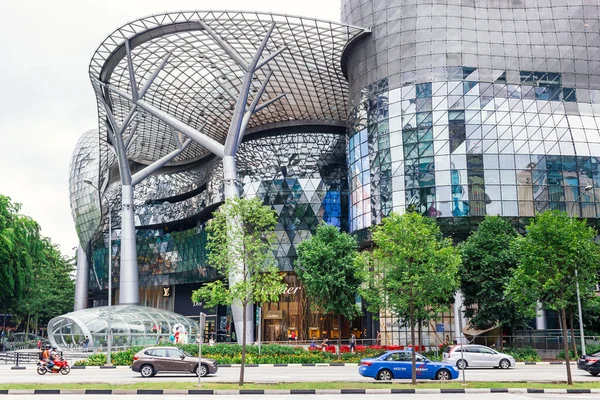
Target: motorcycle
61,366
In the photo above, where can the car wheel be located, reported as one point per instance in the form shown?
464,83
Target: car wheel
203,370
385,375
504,363
443,375
147,370
462,364
594,373
65,370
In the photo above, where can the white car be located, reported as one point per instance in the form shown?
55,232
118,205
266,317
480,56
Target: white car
474,355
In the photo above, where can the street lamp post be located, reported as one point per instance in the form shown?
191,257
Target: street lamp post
109,316
587,189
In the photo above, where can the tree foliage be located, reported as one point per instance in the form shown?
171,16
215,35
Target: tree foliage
329,274
52,290
240,239
412,270
19,247
488,261
35,279
557,252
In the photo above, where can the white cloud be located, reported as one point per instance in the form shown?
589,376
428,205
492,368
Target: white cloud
46,100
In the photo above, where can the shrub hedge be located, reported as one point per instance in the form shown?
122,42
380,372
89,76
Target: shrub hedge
232,354
590,348
526,354
275,354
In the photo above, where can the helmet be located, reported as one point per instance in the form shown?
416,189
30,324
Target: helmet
53,348
47,347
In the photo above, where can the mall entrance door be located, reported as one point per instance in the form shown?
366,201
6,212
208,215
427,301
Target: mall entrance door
272,322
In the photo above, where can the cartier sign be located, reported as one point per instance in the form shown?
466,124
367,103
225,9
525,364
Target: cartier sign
291,290
273,314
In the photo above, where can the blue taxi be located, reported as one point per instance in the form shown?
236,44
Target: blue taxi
398,365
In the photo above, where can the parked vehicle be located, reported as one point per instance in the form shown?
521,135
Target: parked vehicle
398,365
590,364
474,355
61,366
153,360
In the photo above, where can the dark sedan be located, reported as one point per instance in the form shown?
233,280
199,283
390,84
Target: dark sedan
152,360
590,364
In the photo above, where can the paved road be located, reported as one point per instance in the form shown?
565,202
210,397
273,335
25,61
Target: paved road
270,374
499,396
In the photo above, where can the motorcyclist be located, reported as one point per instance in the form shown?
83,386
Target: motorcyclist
54,356
47,358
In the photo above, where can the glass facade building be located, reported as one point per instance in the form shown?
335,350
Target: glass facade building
459,109
466,109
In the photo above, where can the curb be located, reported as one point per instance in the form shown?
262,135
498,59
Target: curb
297,391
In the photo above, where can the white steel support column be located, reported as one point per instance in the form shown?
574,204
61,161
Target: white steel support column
541,322
459,318
82,280
129,289
231,191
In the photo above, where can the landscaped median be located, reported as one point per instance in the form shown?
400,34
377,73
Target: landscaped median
277,354
299,388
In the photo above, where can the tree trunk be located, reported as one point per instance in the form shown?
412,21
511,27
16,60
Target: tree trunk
339,337
28,318
244,306
412,339
573,332
563,314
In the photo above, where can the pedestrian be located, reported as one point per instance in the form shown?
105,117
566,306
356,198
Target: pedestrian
39,344
446,341
378,338
352,343
324,344
86,343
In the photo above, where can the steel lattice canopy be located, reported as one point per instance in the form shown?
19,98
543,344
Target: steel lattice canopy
199,84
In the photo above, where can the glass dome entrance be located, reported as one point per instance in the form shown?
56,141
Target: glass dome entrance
131,326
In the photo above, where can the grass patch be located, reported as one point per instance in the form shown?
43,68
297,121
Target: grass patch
302,385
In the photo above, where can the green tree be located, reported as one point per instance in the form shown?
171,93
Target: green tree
488,261
19,246
52,290
412,270
556,252
240,239
333,288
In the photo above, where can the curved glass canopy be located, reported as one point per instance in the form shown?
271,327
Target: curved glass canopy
131,326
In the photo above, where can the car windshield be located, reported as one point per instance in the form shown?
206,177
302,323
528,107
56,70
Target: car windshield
186,354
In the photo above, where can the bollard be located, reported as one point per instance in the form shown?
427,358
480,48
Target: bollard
17,362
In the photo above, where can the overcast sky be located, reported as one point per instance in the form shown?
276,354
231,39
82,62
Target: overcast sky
46,100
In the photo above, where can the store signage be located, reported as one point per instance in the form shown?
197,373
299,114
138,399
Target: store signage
166,291
291,290
273,314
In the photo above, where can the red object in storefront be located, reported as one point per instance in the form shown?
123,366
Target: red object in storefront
360,349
